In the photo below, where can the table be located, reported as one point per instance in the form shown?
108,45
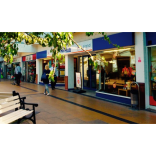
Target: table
126,90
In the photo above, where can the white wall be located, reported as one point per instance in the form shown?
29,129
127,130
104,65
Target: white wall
26,48
39,67
140,46
40,48
69,70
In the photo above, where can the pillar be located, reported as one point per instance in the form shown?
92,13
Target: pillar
39,67
140,50
69,72
140,47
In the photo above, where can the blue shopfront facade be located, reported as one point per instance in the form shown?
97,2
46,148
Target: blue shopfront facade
45,57
123,39
41,54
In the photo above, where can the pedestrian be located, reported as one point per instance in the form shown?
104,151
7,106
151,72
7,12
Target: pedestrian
18,74
53,84
45,79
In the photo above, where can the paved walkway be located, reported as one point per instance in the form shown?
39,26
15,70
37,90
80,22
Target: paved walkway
63,107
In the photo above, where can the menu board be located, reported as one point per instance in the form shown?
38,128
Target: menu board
78,79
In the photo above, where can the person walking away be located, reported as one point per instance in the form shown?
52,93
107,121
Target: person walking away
45,79
55,77
18,74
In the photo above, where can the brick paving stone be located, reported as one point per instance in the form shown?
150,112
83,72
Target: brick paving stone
75,121
41,122
55,121
96,122
66,117
44,115
53,109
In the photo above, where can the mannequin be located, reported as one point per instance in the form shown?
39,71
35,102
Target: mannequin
125,73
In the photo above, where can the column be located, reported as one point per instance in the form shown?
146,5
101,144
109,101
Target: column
140,45
39,71
69,72
140,50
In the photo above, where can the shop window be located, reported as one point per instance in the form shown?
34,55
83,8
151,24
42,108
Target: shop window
9,71
116,77
31,71
59,71
152,75
86,72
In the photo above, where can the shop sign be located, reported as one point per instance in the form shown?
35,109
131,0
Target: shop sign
86,45
49,54
78,79
29,58
16,60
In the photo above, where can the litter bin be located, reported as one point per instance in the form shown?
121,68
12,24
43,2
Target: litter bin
135,96
154,94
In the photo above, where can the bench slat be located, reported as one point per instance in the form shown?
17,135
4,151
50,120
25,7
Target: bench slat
7,116
5,93
7,104
4,96
9,99
20,115
9,108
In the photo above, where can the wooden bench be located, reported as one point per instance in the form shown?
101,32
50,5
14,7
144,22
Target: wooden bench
4,95
16,105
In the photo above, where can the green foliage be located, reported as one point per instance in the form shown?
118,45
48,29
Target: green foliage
95,65
51,76
9,42
57,40
91,62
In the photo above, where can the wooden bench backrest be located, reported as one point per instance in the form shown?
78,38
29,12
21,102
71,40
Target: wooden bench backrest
9,104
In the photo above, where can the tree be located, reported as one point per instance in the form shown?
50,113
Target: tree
56,40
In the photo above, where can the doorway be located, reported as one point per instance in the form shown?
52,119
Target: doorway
89,74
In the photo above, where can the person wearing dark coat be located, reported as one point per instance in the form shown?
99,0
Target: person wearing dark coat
46,81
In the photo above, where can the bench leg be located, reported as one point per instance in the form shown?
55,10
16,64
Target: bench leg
19,121
34,115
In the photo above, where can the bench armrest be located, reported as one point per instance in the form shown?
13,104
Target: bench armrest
23,98
33,104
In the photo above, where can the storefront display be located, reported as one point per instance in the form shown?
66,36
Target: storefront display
152,75
31,71
117,76
59,71
114,77
9,71
29,68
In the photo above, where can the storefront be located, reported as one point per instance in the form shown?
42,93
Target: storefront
29,68
111,81
44,58
114,79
